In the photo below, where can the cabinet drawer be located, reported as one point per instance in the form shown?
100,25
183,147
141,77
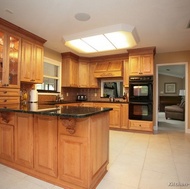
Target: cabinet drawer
11,106
141,125
9,92
10,100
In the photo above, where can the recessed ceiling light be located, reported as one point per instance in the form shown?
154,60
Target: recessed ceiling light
82,16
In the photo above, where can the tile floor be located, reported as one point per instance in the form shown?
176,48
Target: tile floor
137,161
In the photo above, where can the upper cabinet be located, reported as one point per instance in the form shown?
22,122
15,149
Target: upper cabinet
21,56
32,62
141,61
77,72
126,73
109,69
9,60
70,70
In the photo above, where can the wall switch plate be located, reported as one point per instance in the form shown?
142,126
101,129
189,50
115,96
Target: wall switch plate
95,94
67,94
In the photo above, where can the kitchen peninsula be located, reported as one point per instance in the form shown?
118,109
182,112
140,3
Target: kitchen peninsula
66,146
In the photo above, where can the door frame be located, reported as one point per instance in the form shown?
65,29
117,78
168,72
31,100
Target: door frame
186,93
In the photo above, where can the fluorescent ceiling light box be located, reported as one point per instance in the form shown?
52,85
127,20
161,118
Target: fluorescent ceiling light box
103,39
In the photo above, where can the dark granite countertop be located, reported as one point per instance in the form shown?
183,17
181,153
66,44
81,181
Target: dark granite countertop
55,110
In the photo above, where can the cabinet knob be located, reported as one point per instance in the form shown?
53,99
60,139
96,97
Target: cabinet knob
5,92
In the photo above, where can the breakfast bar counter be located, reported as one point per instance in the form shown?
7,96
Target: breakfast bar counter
66,146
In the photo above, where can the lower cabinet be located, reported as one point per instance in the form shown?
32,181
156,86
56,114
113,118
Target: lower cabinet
24,146
7,136
45,144
115,117
124,116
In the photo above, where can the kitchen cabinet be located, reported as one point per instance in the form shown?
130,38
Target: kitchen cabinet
70,70
7,135
126,73
141,65
115,114
141,125
32,62
10,48
24,139
45,144
84,74
141,61
109,69
124,116
93,82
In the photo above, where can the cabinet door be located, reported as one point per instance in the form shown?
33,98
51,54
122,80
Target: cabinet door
45,144
93,82
37,66
124,116
134,65
126,73
6,142
9,60
7,135
114,115
32,62
69,73
147,64
26,61
24,139
83,74
72,159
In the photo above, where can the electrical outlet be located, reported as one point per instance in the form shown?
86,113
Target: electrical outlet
67,94
95,94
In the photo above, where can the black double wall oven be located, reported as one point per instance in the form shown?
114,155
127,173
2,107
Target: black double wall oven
141,98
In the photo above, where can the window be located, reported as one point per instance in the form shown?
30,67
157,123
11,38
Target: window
52,75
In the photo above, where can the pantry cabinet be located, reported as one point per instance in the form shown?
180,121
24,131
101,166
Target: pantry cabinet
24,146
32,62
7,135
10,48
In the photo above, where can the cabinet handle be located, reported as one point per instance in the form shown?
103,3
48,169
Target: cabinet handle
32,80
5,100
5,92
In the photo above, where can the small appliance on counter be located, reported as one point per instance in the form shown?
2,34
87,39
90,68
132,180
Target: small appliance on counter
33,96
81,97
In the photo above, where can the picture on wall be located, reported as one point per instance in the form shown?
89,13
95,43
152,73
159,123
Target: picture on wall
169,88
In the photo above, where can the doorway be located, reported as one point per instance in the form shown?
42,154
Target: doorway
161,116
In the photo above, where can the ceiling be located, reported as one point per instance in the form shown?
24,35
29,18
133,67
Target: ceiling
173,70
160,23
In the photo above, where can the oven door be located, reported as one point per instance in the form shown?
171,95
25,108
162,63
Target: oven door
140,91
140,111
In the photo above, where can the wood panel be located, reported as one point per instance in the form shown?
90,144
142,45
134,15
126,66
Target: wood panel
24,139
45,144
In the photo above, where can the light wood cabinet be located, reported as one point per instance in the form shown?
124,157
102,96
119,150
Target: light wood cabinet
141,61
24,139
7,136
84,74
141,125
126,73
45,144
32,62
10,48
93,82
109,69
115,114
124,116
70,69
141,65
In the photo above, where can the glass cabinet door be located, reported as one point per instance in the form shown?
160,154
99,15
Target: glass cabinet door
13,60
1,56
9,60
